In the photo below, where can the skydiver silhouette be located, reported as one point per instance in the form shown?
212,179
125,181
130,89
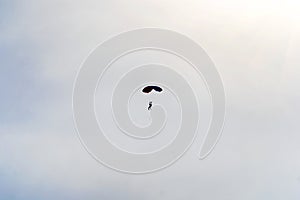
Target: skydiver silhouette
150,105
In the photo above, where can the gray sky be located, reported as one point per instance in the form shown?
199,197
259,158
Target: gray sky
255,46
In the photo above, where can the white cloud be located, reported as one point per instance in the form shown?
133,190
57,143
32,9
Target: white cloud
256,52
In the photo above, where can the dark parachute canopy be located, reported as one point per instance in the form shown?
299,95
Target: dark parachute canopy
149,88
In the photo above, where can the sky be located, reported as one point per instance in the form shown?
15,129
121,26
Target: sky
255,46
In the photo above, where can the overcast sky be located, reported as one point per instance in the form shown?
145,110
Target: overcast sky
255,46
